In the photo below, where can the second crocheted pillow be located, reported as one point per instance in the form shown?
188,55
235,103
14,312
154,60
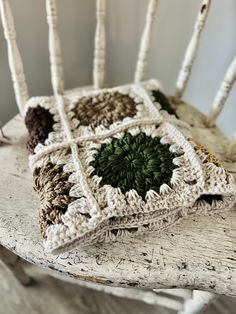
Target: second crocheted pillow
117,162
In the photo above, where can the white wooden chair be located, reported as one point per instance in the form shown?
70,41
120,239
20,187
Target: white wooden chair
198,254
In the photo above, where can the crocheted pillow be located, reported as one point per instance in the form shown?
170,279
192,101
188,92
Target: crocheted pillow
117,162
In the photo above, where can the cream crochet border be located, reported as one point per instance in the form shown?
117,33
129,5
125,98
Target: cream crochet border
102,203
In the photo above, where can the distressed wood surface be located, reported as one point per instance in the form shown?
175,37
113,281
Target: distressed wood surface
99,45
223,93
69,298
50,295
192,49
145,42
54,48
200,252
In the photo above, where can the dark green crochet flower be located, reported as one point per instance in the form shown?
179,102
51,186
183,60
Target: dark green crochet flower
163,101
137,162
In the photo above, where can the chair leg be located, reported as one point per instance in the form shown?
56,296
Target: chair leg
12,263
198,303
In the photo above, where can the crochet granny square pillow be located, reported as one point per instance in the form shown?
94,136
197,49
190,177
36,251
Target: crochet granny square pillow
117,162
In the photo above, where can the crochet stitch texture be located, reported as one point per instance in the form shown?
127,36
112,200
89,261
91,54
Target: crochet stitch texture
137,162
104,109
53,187
118,162
39,123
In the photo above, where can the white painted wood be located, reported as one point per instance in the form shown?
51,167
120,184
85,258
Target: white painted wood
181,293
198,303
73,299
54,48
148,297
14,58
197,253
145,42
168,302
169,298
99,45
12,263
192,49
3,138
223,93
132,273
50,295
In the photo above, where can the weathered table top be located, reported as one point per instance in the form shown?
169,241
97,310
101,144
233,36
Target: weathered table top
197,253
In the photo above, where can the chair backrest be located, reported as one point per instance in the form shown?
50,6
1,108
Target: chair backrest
17,70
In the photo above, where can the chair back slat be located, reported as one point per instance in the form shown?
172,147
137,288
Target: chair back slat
99,45
223,93
14,58
54,48
145,42
191,50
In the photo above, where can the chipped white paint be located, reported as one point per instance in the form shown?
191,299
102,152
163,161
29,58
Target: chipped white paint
183,256
100,45
197,253
145,42
14,58
54,48
223,93
192,48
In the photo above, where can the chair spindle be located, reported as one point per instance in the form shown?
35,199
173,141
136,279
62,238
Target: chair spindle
14,58
145,42
99,45
223,93
191,50
54,48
